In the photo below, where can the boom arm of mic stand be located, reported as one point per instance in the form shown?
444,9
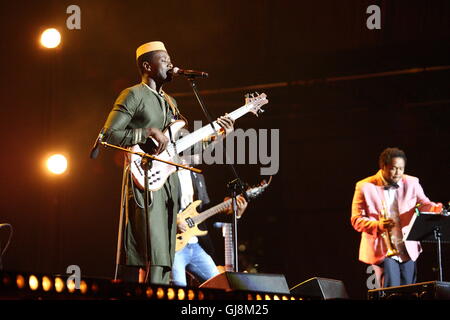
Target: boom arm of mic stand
236,184
148,156
208,117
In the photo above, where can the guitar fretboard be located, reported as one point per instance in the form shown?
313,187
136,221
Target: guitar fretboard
188,141
212,211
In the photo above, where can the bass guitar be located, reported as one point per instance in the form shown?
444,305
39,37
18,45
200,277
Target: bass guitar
193,218
160,171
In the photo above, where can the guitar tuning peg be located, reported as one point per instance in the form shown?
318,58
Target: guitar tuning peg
247,96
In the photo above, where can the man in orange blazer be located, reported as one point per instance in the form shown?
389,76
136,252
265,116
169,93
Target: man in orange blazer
385,203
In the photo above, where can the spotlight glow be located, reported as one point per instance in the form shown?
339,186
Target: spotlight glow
20,281
71,286
33,282
149,292
181,294
46,283
50,38
160,293
59,285
57,164
83,287
170,294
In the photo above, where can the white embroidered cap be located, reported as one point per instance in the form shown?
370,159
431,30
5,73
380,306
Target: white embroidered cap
149,47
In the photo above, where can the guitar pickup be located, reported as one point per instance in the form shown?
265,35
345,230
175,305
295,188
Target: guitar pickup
190,223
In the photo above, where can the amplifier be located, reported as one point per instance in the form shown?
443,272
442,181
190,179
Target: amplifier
432,290
262,282
321,289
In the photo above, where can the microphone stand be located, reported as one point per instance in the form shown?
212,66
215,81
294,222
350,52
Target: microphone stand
146,163
236,186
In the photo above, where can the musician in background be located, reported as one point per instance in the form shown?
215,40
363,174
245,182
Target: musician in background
386,203
139,113
193,258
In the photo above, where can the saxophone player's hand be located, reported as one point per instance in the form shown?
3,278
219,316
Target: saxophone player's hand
385,224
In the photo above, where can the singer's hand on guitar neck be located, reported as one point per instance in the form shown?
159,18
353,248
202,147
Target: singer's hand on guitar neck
226,123
159,137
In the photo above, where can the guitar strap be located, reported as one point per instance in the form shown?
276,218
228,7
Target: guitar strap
175,111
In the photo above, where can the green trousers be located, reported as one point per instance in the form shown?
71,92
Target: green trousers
162,227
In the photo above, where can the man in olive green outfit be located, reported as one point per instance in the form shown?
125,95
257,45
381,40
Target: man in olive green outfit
139,113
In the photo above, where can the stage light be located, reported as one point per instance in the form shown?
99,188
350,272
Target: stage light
83,287
71,286
57,164
149,292
181,294
170,294
33,282
160,293
50,38
46,283
20,281
95,288
59,284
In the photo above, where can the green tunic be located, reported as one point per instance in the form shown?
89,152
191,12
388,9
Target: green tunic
135,109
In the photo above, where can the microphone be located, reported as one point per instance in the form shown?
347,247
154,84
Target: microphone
96,148
189,73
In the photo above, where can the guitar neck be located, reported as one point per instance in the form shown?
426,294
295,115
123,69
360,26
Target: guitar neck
204,132
211,211
221,207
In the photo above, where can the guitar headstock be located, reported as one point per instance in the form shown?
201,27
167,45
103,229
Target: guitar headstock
256,191
255,101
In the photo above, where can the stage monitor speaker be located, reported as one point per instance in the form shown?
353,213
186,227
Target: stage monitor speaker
259,282
432,290
320,289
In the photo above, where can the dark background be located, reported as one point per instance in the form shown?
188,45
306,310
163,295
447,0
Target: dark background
331,132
